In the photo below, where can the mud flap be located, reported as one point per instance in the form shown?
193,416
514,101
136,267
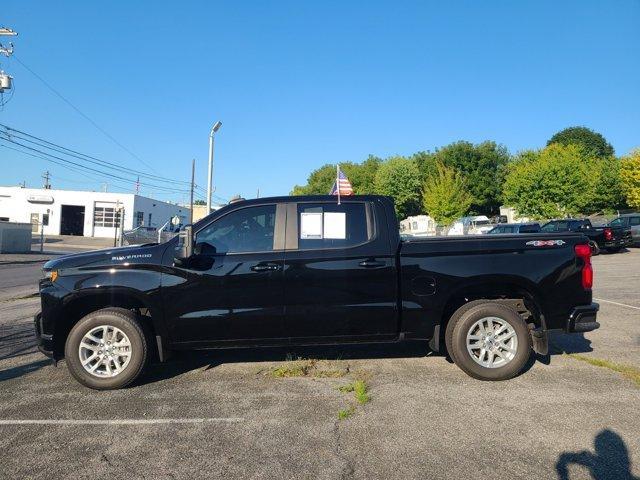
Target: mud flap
540,341
434,343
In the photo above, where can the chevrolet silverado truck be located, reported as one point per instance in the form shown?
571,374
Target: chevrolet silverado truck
311,270
612,238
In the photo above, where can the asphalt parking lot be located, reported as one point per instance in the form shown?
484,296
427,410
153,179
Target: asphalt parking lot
226,415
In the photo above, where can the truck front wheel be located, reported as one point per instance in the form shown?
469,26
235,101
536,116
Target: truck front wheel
491,342
106,349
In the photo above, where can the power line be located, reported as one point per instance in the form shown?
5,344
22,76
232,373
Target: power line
13,133
33,139
50,157
111,182
85,116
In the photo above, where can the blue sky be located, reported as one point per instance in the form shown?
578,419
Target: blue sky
299,84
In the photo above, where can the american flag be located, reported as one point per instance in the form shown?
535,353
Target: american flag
342,183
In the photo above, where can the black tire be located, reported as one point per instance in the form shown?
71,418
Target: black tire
459,338
127,322
448,333
595,249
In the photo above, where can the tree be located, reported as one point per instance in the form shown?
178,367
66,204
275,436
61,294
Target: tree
608,193
593,143
199,202
399,178
446,196
427,164
554,182
360,175
483,166
630,175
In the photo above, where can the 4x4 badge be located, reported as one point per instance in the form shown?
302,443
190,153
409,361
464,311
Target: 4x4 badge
545,243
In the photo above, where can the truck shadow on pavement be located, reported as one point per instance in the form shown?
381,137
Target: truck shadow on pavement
610,459
15,372
185,361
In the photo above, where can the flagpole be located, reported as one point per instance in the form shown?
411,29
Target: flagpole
338,181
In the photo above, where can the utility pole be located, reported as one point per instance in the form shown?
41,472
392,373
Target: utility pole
214,129
5,78
45,177
138,185
193,175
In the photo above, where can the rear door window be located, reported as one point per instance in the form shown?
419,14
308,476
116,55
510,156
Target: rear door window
329,225
634,221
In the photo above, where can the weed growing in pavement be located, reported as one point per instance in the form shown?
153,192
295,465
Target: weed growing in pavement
360,390
309,367
346,412
632,373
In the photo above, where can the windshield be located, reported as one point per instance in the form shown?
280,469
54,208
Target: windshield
618,222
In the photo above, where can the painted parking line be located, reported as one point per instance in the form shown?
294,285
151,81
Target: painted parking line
122,421
616,303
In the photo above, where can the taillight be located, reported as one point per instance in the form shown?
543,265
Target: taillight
608,234
583,252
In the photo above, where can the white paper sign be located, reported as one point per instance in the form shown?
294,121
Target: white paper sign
335,225
311,225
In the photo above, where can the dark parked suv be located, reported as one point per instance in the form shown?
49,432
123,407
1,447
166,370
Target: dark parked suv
515,228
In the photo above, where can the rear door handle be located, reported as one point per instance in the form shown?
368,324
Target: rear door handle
265,267
372,264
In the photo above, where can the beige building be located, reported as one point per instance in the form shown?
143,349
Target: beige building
200,211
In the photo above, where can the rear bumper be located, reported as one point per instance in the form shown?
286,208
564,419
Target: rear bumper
45,342
583,319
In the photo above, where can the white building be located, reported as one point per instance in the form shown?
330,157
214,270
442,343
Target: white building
419,225
89,214
512,215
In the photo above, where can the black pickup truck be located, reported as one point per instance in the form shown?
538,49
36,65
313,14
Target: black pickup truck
612,238
310,270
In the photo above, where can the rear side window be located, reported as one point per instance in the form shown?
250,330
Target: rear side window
329,225
633,221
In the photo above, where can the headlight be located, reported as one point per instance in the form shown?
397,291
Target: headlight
51,274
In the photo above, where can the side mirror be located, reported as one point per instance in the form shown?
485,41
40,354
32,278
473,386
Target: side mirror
184,250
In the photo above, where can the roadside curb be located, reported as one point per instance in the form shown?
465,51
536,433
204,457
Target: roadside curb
22,262
21,297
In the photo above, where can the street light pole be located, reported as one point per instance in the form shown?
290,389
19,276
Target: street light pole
214,129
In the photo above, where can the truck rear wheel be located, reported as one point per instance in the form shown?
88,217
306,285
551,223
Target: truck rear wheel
491,342
106,349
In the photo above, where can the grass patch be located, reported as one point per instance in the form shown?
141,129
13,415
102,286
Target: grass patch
359,389
345,413
309,368
632,373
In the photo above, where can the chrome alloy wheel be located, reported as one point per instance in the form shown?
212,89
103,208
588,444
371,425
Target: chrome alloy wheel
105,351
492,342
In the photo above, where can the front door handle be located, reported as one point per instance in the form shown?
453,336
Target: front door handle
265,267
372,264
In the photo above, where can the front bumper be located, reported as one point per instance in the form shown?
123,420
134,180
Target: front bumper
45,342
583,319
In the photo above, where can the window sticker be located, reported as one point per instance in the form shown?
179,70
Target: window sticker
335,225
311,225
